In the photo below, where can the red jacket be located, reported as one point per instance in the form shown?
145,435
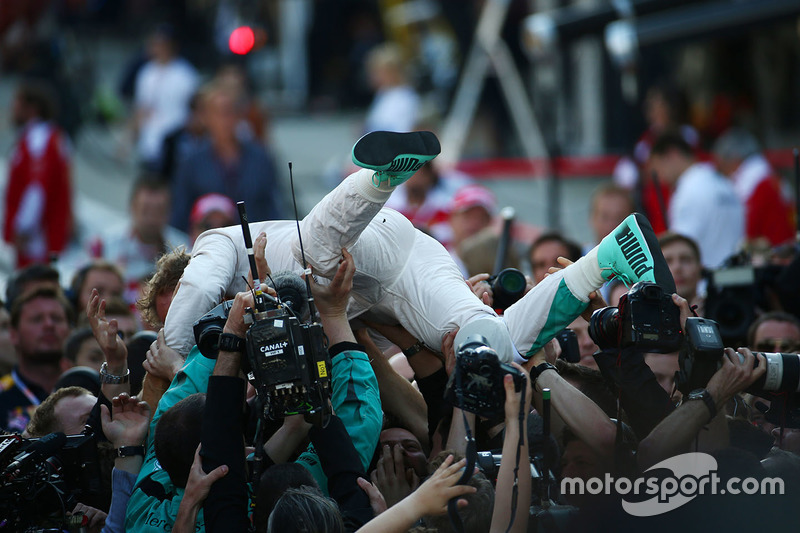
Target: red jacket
39,175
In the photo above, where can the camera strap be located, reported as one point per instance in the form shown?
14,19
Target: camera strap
520,442
472,459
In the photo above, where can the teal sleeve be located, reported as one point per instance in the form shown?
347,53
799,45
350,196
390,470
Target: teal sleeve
154,502
356,401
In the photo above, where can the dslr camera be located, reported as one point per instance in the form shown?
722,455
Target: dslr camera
646,318
288,359
476,384
508,286
703,350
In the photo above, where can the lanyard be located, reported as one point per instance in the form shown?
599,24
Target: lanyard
25,390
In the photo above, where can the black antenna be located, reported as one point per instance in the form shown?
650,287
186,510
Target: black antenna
312,310
507,214
248,244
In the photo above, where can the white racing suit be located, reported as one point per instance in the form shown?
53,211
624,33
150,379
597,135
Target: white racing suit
402,275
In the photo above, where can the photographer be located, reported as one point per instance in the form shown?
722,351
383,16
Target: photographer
676,432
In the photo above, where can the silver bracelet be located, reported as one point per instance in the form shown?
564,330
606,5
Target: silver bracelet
111,379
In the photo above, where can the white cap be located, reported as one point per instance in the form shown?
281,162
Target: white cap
496,333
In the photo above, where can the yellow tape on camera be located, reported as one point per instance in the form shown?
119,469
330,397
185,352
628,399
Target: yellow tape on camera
323,372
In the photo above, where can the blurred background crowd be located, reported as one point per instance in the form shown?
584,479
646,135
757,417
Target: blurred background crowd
133,126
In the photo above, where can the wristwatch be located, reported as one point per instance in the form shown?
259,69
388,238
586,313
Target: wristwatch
703,394
105,377
538,369
414,349
228,342
130,451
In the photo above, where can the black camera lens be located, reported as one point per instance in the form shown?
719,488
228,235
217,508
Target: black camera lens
208,340
604,327
512,281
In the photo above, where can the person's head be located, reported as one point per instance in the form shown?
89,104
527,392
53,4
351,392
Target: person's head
546,249
274,482
386,67
161,287
478,253
305,509
586,345
117,309
477,515
610,205
413,453
161,45
733,147
211,211
40,322
65,410
683,259
101,275
775,332
471,211
424,180
670,156
221,111
34,100
664,107
178,435
82,349
149,207
29,278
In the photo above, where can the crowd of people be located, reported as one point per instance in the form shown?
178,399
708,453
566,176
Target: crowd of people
402,255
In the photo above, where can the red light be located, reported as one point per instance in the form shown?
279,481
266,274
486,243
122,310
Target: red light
242,40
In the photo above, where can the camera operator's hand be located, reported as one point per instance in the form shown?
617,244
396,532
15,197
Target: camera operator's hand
235,323
392,478
106,333
735,374
260,253
513,397
548,354
683,305
95,518
131,417
481,288
161,360
332,299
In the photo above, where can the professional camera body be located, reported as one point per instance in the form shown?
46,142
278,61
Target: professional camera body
508,286
289,364
42,479
734,293
646,318
476,384
288,361
700,358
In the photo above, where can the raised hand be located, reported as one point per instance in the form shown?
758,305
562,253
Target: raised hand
332,299
392,478
131,417
161,360
105,331
432,496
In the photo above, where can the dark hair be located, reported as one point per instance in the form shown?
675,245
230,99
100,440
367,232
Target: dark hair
74,342
276,480
80,376
149,182
79,279
777,316
138,345
477,515
178,435
671,238
24,276
39,95
303,510
42,292
671,140
573,250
